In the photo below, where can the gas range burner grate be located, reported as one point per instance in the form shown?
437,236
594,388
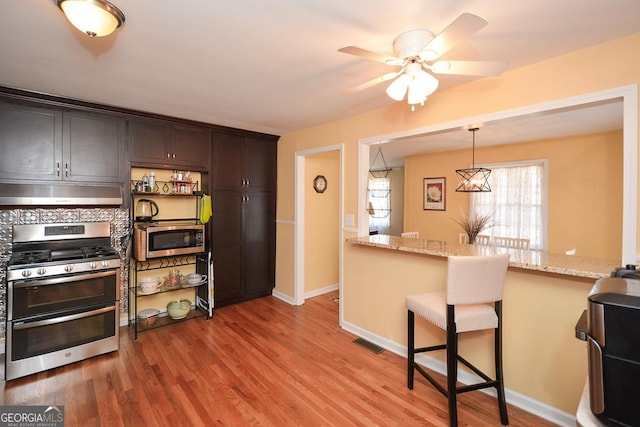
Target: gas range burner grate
99,251
68,254
32,257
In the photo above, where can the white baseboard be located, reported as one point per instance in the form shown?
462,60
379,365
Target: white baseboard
284,297
513,398
311,294
321,291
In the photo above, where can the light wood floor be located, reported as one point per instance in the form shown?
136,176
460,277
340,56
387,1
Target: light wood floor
259,363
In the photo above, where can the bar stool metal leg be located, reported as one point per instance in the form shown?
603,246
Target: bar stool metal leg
452,366
502,401
410,348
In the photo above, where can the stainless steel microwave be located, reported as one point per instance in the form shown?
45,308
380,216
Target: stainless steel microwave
156,241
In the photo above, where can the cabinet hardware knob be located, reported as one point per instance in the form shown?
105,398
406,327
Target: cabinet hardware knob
57,168
66,169
168,155
174,156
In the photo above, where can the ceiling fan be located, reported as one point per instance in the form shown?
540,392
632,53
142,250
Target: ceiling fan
416,50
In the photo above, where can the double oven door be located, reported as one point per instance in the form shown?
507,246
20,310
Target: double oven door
55,321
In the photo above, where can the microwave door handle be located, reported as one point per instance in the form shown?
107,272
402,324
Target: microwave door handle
47,322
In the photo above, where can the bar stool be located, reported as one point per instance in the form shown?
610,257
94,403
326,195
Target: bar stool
473,283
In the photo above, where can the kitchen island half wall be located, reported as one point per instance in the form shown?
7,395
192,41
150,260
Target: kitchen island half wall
544,364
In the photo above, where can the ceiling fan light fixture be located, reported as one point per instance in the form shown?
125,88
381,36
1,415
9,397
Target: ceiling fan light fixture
416,94
398,88
96,18
426,82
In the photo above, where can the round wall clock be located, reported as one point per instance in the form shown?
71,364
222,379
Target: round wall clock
320,184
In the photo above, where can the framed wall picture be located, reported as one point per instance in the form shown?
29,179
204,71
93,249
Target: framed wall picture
435,194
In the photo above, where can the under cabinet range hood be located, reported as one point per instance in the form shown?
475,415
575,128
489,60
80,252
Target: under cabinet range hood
59,194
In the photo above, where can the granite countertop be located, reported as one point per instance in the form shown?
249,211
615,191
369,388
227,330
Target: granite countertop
571,265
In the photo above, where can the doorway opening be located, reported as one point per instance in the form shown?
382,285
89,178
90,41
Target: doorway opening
319,217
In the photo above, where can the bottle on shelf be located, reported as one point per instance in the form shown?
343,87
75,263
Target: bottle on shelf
152,181
145,182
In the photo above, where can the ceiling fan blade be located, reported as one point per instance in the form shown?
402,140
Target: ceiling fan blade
353,50
469,68
372,82
464,26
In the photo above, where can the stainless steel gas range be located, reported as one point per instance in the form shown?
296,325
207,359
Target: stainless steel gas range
63,292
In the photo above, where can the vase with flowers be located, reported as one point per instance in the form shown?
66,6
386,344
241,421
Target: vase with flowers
474,223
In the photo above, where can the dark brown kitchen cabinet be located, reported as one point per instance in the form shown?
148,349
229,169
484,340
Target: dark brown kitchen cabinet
51,145
160,143
31,141
243,229
243,162
243,222
93,148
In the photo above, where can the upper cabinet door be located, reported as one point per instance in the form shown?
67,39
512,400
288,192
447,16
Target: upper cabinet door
260,164
149,142
31,141
183,147
93,148
227,167
190,146
243,163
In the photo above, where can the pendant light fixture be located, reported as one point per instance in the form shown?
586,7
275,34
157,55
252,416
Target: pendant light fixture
96,18
473,180
382,172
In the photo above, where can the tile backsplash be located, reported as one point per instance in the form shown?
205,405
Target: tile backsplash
119,219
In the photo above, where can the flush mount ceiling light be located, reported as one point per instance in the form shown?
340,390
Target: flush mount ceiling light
96,18
415,51
473,180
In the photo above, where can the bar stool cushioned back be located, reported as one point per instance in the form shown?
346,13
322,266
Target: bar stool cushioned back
472,301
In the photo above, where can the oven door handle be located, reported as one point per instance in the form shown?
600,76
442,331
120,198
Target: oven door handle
53,321
57,280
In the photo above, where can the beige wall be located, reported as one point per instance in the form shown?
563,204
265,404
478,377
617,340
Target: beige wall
579,73
585,191
322,221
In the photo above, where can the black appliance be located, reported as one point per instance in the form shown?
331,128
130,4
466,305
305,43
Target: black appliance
611,327
63,292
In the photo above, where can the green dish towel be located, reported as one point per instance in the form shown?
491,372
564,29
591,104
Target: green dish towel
205,209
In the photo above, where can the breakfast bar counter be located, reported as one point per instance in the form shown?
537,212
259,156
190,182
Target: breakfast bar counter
545,365
572,265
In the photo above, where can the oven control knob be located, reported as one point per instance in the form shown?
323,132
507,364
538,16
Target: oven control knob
93,265
68,268
105,263
26,273
41,271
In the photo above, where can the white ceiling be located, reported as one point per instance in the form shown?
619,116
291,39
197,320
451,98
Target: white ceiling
273,65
